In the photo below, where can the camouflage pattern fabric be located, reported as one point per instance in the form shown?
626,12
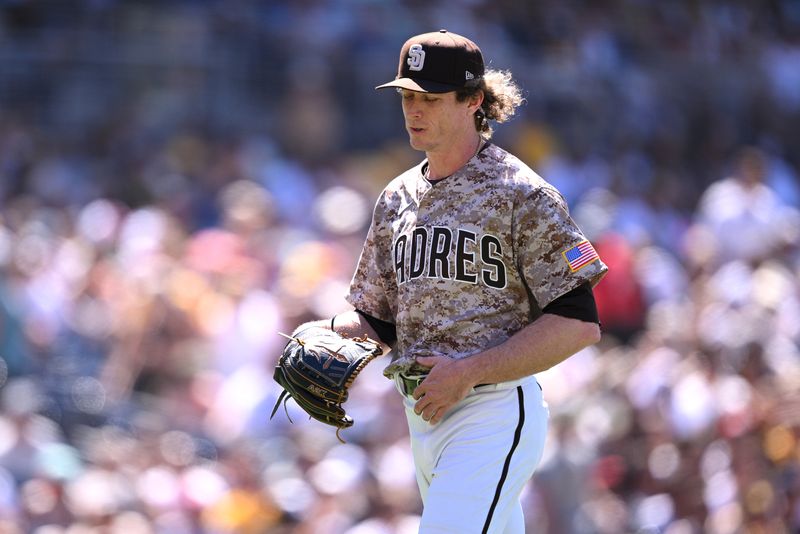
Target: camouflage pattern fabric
462,265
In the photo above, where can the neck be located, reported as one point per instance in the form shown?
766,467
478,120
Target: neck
443,164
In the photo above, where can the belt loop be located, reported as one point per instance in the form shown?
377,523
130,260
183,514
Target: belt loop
398,381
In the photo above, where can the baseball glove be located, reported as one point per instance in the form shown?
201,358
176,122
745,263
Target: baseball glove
317,368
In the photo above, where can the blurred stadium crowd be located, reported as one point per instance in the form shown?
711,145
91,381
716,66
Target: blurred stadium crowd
180,181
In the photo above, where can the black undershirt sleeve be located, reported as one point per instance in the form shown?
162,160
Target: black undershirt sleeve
387,332
577,304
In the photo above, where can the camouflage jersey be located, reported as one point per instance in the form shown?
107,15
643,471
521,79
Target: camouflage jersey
461,265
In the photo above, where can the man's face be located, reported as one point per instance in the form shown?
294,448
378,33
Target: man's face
436,121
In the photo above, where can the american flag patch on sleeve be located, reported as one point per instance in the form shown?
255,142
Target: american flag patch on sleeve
580,255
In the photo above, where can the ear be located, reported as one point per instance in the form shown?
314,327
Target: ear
475,102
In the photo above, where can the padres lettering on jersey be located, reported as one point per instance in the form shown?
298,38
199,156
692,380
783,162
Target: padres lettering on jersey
459,255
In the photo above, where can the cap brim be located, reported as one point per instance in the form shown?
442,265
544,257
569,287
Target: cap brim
422,86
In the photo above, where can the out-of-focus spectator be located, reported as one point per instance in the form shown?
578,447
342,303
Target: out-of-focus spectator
745,216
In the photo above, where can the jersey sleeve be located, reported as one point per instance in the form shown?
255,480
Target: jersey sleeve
368,288
553,255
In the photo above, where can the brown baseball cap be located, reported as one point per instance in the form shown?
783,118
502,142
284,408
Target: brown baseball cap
438,62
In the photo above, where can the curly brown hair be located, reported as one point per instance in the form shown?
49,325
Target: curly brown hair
501,97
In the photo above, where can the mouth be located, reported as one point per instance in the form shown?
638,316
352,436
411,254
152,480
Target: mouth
415,129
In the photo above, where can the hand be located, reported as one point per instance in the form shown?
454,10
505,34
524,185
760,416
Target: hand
447,383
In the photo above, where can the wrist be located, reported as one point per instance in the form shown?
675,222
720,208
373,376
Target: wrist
471,371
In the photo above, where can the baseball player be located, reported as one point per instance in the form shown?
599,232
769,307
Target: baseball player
477,278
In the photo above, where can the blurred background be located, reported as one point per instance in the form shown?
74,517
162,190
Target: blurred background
181,180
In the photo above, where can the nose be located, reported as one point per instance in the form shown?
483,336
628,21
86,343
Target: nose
411,108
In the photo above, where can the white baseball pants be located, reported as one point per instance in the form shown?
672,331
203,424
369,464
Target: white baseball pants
472,466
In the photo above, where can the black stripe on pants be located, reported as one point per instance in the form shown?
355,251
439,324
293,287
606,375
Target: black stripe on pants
517,434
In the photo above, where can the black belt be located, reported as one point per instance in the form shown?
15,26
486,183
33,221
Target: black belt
409,384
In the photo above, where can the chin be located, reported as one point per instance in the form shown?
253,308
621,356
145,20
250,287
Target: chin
415,144
418,144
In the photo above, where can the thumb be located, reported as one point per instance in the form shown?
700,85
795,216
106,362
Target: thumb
427,361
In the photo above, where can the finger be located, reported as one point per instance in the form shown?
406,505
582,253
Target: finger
420,406
420,390
429,413
438,416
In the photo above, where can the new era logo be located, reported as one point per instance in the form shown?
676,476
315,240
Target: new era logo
468,75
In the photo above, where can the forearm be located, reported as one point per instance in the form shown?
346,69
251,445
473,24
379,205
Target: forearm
539,346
